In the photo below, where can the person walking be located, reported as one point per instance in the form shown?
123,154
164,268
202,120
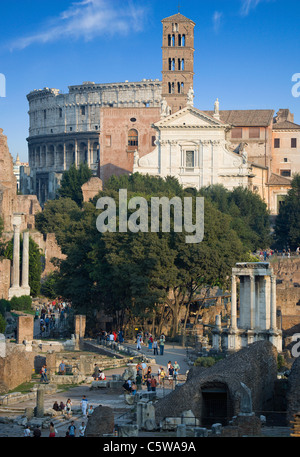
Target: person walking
27,431
155,347
139,342
82,429
72,430
162,344
37,432
68,408
153,384
52,431
84,405
150,342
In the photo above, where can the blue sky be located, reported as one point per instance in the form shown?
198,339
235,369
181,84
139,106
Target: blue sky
246,51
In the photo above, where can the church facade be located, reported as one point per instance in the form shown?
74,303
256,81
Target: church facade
191,145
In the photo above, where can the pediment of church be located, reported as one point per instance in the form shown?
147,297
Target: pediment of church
190,117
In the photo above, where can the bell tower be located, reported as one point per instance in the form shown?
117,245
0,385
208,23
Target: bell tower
178,60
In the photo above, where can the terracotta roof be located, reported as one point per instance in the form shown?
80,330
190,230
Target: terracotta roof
277,180
286,125
177,17
246,118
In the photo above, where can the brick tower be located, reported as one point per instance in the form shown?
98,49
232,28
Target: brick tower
178,60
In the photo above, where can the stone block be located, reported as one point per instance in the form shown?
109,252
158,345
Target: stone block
200,432
128,430
216,429
181,431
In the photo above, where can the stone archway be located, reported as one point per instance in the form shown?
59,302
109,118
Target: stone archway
216,404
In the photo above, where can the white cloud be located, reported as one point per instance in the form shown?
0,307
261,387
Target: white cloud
248,5
217,16
87,20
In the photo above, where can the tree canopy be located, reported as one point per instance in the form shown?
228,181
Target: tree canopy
131,275
72,180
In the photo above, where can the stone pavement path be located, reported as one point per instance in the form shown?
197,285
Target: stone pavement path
104,397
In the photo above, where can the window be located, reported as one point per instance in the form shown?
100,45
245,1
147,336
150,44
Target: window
183,40
293,142
285,173
153,138
285,159
133,139
175,27
276,142
237,132
45,114
108,141
180,87
60,112
254,132
190,159
82,110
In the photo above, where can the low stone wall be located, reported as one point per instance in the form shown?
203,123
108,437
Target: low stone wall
16,368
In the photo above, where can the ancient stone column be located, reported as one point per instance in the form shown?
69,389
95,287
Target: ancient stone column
252,301
233,302
16,257
25,265
273,324
39,412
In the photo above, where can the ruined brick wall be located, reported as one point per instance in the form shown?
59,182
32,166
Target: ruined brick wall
91,188
288,290
50,248
5,266
16,368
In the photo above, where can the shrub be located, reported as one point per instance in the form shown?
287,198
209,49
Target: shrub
4,306
205,361
2,324
22,303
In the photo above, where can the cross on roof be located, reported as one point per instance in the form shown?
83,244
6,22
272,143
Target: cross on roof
178,7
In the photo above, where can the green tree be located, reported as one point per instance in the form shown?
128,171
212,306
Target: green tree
72,180
287,224
249,214
132,274
59,217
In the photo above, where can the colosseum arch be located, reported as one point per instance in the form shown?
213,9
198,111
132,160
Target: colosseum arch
59,155
43,156
83,153
50,156
70,155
